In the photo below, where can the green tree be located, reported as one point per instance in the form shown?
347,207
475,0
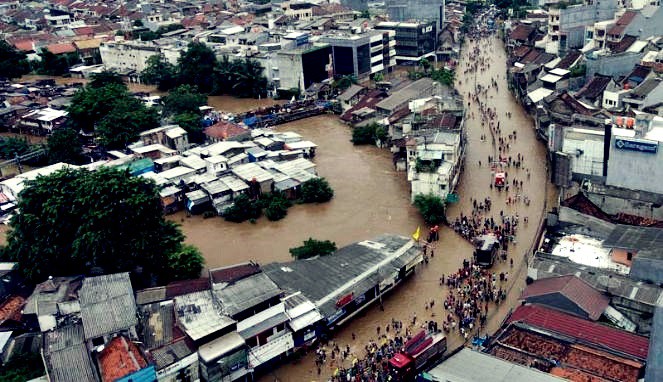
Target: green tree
105,78
55,65
378,77
196,67
276,205
185,263
443,76
183,99
124,122
160,72
79,222
192,123
313,247
22,368
90,105
344,82
365,14
241,78
431,207
138,23
12,146
13,63
243,208
64,145
316,190
369,134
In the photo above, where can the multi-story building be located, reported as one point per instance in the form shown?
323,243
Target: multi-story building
362,54
421,10
567,26
133,55
300,67
414,40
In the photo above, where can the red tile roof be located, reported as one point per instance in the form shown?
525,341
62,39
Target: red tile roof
233,273
521,32
11,308
179,288
61,48
224,130
622,23
84,31
568,60
573,288
583,330
25,45
120,358
521,51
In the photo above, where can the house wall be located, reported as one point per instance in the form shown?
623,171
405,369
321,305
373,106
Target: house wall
647,269
291,72
126,56
613,205
611,65
635,170
620,256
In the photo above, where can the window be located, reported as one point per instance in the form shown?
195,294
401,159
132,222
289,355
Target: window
98,341
629,256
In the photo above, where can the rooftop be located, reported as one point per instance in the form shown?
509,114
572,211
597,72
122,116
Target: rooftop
66,356
352,269
157,323
469,365
637,238
107,304
199,316
240,295
581,293
119,358
618,285
586,250
171,353
589,332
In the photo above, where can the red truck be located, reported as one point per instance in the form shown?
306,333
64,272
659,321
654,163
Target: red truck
416,354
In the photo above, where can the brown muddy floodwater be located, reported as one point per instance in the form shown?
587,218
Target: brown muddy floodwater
371,198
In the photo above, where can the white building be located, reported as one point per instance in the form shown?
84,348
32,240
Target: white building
434,164
133,55
567,26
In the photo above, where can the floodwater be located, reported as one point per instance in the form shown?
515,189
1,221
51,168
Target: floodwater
371,198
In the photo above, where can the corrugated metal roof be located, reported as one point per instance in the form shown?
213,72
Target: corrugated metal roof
573,288
469,366
66,355
600,335
245,293
107,304
637,238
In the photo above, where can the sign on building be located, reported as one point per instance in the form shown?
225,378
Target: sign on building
640,145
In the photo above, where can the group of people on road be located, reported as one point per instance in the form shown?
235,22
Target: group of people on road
470,293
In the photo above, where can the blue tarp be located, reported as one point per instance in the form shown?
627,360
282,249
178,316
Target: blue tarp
250,121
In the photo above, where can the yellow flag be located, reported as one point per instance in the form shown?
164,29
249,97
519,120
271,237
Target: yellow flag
416,234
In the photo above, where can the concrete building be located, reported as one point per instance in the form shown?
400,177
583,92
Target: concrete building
422,10
362,54
634,156
300,67
133,55
434,164
567,26
414,40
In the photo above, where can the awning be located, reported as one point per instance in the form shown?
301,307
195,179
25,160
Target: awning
264,325
305,320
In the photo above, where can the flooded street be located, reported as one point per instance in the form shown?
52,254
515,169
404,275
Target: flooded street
371,198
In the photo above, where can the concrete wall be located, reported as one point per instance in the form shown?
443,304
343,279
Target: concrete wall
654,371
126,56
620,256
613,205
635,170
290,71
613,65
647,269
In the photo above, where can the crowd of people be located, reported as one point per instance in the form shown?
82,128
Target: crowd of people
471,292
